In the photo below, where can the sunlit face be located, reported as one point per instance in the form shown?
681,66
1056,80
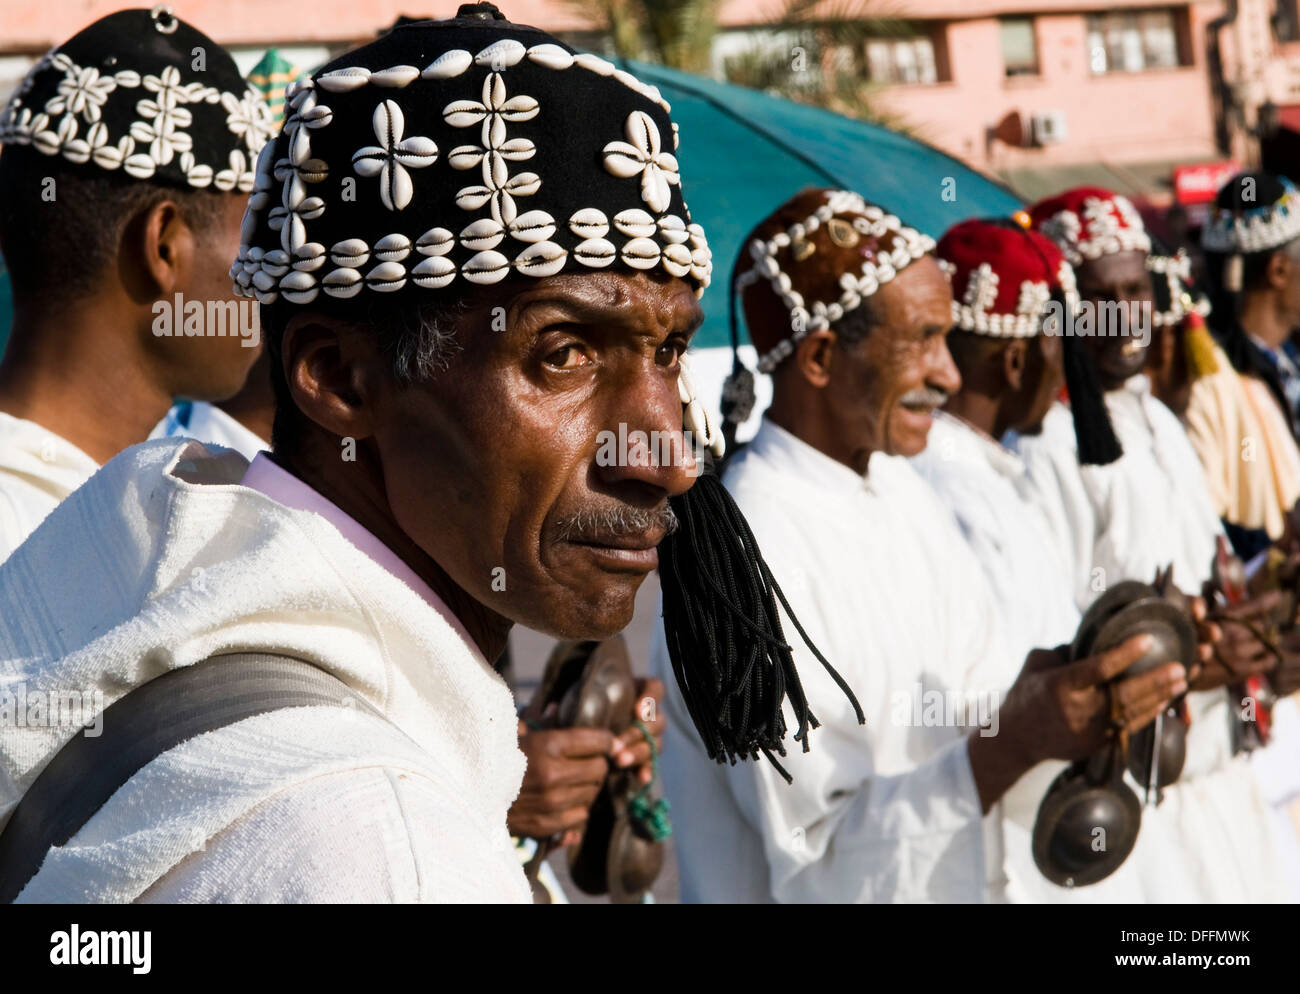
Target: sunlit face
212,366
1121,278
493,467
902,371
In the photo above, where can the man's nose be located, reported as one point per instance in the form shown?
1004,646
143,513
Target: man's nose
649,444
943,372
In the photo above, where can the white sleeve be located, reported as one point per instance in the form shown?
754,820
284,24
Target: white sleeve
375,835
1059,486
843,831
912,837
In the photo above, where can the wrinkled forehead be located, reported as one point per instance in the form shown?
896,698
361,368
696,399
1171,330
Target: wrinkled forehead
1119,269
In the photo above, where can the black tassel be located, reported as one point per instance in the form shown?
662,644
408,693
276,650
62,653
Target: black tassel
723,627
1093,431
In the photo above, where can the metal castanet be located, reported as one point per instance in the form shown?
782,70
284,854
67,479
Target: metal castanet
593,685
1088,821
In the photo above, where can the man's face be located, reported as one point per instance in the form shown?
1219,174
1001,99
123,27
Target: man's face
498,468
1043,376
902,371
1291,292
214,366
1121,278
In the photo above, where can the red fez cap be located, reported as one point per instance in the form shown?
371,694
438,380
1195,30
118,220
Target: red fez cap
1089,222
1003,277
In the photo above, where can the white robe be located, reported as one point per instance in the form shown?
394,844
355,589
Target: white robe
986,488
1212,838
37,470
163,559
880,578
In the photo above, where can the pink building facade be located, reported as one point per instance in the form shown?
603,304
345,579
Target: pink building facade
1008,85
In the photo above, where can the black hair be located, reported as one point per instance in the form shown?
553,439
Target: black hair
415,329
61,223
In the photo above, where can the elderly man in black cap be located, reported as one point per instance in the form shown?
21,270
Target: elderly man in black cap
475,268
128,156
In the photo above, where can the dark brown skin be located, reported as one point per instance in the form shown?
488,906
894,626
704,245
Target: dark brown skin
846,401
1056,711
89,367
566,768
1271,308
478,469
1007,384
1121,277
1167,369
254,405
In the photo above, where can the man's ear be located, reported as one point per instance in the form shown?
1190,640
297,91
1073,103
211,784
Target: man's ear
156,252
1014,358
814,355
326,362
1279,270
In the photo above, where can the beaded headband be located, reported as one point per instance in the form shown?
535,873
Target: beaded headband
848,219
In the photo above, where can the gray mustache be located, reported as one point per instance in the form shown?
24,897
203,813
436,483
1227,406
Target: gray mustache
925,397
616,521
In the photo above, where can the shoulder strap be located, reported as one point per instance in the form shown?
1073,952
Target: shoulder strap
139,727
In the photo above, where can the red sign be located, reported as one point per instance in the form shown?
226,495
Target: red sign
1199,184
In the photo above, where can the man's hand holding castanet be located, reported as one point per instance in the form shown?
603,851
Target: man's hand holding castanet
1058,710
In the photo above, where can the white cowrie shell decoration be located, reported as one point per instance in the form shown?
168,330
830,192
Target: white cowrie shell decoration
486,268
434,272
392,248
435,241
641,253
344,80
533,226
541,259
500,54
387,277
448,65
342,283
350,254
485,233
396,77
635,223
595,252
589,223
550,56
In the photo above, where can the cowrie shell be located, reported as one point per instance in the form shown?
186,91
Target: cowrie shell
351,253
392,248
448,64
342,283
589,223
434,272
541,259
387,277
551,56
635,223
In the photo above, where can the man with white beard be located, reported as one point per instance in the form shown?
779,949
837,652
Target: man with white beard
849,313
1135,502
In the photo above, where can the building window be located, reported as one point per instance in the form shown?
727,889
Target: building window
901,60
1133,41
1019,47
1286,21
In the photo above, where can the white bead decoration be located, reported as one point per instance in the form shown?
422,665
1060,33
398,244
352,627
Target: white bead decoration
541,259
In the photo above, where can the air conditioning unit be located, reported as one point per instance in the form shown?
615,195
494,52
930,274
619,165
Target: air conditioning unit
1048,127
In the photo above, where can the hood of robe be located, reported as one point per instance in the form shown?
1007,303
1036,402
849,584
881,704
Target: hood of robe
163,559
